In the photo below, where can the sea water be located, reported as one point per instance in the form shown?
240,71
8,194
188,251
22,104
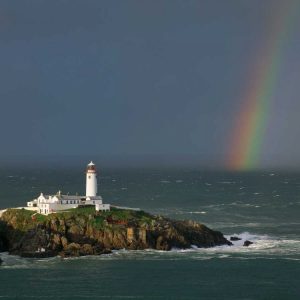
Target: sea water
263,207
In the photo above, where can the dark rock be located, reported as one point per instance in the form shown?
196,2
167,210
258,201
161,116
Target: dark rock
247,243
235,238
2,244
3,236
1,261
36,254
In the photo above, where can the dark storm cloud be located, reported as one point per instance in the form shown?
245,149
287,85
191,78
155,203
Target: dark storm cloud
151,80
41,18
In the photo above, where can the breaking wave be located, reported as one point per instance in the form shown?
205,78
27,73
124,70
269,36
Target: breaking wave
263,246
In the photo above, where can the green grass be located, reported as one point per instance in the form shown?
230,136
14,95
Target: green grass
41,218
21,218
140,217
115,213
81,210
98,222
24,221
78,211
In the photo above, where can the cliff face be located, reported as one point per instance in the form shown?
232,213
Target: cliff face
3,239
83,231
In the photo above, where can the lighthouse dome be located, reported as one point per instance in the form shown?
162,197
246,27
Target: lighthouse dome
91,167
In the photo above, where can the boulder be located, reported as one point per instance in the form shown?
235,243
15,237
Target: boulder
247,243
64,241
235,238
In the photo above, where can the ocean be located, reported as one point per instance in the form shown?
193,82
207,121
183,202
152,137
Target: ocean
263,207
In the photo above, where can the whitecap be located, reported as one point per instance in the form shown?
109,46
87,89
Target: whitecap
17,262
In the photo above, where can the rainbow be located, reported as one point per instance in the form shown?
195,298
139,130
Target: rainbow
252,120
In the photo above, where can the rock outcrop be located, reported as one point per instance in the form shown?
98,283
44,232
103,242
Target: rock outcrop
247,243
83,231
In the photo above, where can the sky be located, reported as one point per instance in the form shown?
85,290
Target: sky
141,82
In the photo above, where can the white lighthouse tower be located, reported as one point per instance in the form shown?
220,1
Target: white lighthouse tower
91,180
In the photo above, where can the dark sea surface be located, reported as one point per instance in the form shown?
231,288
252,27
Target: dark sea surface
263,207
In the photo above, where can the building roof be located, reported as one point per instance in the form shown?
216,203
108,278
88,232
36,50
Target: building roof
70,197
63,197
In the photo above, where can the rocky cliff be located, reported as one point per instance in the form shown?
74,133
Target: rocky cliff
83,231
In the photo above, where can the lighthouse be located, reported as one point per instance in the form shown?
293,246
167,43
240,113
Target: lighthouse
59,202
91,180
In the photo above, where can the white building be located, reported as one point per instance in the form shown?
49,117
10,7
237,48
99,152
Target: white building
46,204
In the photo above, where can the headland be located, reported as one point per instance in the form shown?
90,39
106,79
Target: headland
84,231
